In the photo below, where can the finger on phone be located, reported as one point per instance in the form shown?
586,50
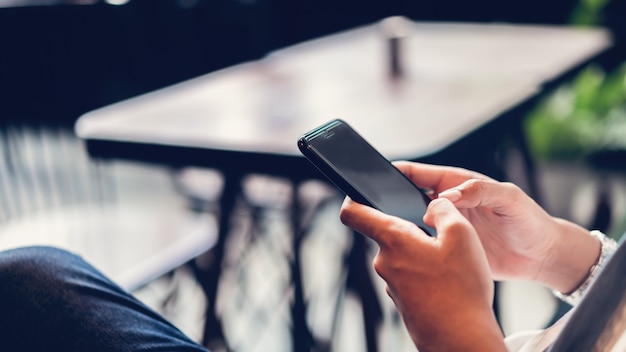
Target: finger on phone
475,193
445,217
435,177
384,229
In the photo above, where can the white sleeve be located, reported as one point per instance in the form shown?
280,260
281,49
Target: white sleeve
535,340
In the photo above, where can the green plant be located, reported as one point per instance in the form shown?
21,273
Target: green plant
582,117
588,12
586,115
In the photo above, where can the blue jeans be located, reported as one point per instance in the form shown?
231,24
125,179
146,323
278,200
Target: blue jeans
52,300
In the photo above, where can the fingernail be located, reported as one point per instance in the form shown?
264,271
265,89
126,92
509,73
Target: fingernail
451,194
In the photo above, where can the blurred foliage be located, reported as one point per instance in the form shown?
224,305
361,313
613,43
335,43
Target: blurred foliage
588,12
584,116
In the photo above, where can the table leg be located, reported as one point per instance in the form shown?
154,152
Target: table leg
361,283
210,277
358,280
302,337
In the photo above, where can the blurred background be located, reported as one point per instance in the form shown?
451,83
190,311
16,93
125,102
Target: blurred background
70,59
61,59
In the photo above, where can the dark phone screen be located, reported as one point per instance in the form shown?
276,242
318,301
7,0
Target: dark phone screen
369,173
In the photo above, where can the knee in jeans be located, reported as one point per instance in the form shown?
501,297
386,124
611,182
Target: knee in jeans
21,266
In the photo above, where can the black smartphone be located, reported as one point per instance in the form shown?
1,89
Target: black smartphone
363,173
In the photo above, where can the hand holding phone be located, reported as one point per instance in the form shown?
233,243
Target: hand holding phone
363,173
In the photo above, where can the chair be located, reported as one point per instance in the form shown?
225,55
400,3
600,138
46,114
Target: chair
125,218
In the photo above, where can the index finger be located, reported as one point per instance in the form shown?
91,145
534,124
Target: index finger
384,229
436,177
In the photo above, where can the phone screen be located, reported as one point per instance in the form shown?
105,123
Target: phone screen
364,174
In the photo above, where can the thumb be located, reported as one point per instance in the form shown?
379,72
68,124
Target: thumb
445,218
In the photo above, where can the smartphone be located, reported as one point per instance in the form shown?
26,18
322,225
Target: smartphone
363,173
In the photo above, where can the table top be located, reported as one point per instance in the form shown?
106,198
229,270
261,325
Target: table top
458,78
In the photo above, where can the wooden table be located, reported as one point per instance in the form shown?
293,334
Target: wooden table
462,85
459,77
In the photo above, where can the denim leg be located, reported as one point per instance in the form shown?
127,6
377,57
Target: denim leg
52,300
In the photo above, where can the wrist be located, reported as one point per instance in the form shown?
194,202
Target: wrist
574,251
607,247
473,329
